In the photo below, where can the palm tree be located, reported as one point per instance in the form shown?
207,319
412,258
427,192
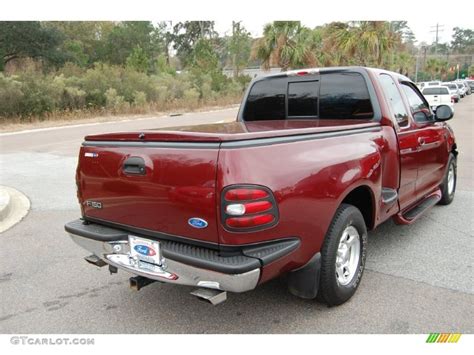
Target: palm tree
432,67
286,44
363,42
404,62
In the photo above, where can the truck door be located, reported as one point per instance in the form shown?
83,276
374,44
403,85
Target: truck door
407,141
432,152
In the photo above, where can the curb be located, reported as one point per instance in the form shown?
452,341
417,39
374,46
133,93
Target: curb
14,206
5,204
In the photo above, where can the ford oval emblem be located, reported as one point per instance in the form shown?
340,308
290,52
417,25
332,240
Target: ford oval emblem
197,222
144,250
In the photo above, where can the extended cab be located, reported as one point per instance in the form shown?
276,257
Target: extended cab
314,160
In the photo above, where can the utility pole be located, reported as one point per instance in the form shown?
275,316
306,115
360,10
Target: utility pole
437,29
416,68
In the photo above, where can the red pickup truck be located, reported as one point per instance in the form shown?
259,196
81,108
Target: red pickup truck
314,160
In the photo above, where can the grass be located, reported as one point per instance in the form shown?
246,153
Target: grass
60,118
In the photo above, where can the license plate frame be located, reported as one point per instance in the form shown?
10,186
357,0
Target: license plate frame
145,250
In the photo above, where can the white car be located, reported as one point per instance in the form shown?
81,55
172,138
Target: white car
453,90
462,88
438,95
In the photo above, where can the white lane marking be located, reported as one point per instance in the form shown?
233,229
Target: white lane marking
107,122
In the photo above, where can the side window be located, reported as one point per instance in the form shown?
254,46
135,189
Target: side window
266,100
419,109
344,96
303,99
393,96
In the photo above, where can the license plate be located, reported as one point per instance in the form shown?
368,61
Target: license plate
145,250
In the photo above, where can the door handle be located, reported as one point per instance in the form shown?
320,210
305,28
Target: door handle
421,141
134,166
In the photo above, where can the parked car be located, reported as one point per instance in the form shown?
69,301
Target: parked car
314,160
468,88
453,90
438,95
470,83
462,89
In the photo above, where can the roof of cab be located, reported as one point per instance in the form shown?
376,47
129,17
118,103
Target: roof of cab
312,71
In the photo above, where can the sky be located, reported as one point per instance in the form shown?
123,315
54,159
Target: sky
420,29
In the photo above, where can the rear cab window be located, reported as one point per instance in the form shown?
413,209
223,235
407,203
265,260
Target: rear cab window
436,91
332,95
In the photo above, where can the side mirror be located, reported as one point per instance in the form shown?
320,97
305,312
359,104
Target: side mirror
443,113
424,115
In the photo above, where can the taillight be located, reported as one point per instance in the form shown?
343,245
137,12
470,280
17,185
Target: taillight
248,208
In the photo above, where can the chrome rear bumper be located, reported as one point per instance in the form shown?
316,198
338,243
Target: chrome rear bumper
117,253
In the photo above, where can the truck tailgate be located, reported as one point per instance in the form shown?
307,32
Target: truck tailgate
152,186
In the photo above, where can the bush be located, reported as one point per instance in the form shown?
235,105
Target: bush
191,96
139,99
11,96
115,88
114,101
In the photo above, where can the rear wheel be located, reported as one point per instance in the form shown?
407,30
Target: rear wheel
448,186
343,256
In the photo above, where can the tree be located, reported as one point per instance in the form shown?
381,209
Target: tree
21,39
204,58
126,36
74,52
368,41
432,67
463,40
238,47
285,44
138,60
187,34
84,41
470,71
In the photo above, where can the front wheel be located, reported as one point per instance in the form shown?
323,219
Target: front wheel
448,186
343,256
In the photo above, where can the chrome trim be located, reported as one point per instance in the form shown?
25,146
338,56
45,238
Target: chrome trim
186,274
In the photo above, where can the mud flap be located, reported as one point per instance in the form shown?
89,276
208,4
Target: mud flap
304,282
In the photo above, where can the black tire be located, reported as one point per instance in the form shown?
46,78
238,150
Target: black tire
331,291
446,196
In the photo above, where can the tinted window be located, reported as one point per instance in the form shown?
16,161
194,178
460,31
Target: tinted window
395,99
266,100
344,95
436,91
418,107
451,86
303,98
433,83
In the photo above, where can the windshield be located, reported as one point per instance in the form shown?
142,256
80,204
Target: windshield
451,86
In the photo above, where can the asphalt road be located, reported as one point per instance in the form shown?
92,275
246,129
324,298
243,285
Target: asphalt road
418,278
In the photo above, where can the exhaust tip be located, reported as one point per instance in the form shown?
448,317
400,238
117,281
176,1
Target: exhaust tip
212,296
95,260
